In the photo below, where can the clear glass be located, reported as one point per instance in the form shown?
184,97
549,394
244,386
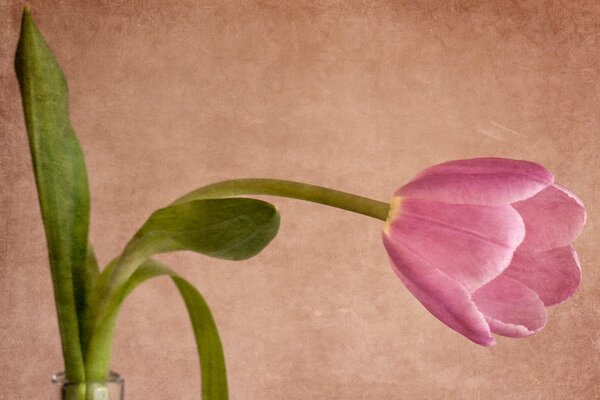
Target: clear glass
112,389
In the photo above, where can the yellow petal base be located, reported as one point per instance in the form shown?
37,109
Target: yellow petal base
395,204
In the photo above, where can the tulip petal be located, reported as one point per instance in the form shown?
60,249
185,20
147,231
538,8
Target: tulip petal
553,274
443,296
553,218
471,244
511,308
483,181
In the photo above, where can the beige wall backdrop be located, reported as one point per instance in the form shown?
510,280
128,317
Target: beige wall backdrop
360,96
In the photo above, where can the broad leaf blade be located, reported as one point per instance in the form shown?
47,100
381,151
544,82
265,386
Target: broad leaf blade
61,182
208,343
232,229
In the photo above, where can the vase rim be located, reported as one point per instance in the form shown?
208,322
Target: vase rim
60,378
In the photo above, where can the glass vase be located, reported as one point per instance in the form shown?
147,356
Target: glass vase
112,389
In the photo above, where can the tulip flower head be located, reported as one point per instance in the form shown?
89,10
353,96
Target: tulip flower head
485,244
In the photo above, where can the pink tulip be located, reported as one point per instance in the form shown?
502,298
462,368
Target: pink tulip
485,244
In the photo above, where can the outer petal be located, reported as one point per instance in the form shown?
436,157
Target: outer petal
471,244
553,218
484,181
553,274
444,297
511,308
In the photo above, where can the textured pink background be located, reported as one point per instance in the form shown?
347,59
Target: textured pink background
169,96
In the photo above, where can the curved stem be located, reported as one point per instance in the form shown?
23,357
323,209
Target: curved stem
295,190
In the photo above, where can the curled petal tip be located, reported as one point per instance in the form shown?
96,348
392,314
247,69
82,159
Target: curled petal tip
511,308
488,342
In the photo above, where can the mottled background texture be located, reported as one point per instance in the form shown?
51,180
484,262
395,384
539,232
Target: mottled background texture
359,96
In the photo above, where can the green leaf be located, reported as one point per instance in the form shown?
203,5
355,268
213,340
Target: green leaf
61,181
208,343
231,228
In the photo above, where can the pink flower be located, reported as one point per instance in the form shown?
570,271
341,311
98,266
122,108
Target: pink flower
485,244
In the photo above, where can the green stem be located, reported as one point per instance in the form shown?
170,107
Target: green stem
86,391
295,190
106,309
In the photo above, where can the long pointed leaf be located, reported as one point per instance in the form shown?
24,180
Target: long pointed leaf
61,182
208,343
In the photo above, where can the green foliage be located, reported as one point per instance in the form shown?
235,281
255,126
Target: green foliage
62,186
208,343
232,229
88,302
